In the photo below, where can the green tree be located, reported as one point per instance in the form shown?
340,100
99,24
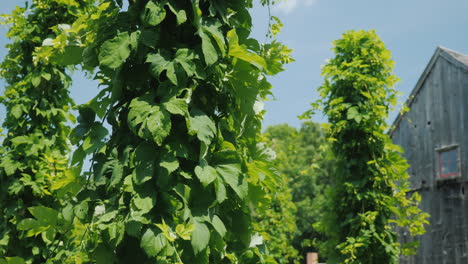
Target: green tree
34,158
176,178
305,164
368,197
277,222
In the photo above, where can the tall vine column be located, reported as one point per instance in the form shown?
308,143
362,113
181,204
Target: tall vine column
369,195
176,178
35,150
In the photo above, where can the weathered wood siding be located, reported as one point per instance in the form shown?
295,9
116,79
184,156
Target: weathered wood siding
438,117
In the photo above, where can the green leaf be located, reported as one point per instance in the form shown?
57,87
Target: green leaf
95,138
133,228
180,14
140,108
21,140
117,174
169,162
182,67
78,156
69,182
221,194
202,125
159,62
72,55
209,51
90,57
107,217
205,173
134,39
14,260
36,81
218,226
148,120
241,52
27,224
17,111
353,113
167,231
216,33
9,165
176,106
153,242
178,69
115,51
200,237
154,13
149,38
185,58
185,231
49,235
46,218
81,210
46,76
144,160
159,124
172,73
67,213
232,175
208,33
16,187
144,204
44,214
5,238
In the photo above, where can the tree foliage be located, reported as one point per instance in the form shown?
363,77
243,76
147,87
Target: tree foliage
369,193
305,163
176,177
276,223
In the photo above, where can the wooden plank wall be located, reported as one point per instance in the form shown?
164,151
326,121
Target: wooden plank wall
439,117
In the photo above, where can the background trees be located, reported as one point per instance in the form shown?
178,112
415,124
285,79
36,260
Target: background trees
305,164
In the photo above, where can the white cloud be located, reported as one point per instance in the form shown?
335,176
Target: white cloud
288,6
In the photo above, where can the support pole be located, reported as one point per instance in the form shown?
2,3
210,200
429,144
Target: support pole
312,258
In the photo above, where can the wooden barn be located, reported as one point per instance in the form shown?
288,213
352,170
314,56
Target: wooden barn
434,135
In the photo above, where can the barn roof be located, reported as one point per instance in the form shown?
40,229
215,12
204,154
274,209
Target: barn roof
459,58
455,58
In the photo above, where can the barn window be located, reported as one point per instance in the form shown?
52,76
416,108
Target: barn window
448,162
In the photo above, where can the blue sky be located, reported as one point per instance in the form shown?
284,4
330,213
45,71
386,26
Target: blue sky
411,29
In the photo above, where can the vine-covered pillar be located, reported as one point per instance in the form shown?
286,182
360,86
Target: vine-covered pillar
369,195
176,178
35,149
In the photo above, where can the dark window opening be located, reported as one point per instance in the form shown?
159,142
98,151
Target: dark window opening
448,163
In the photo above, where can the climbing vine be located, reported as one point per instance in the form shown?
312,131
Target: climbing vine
34,180
369,195
175,178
